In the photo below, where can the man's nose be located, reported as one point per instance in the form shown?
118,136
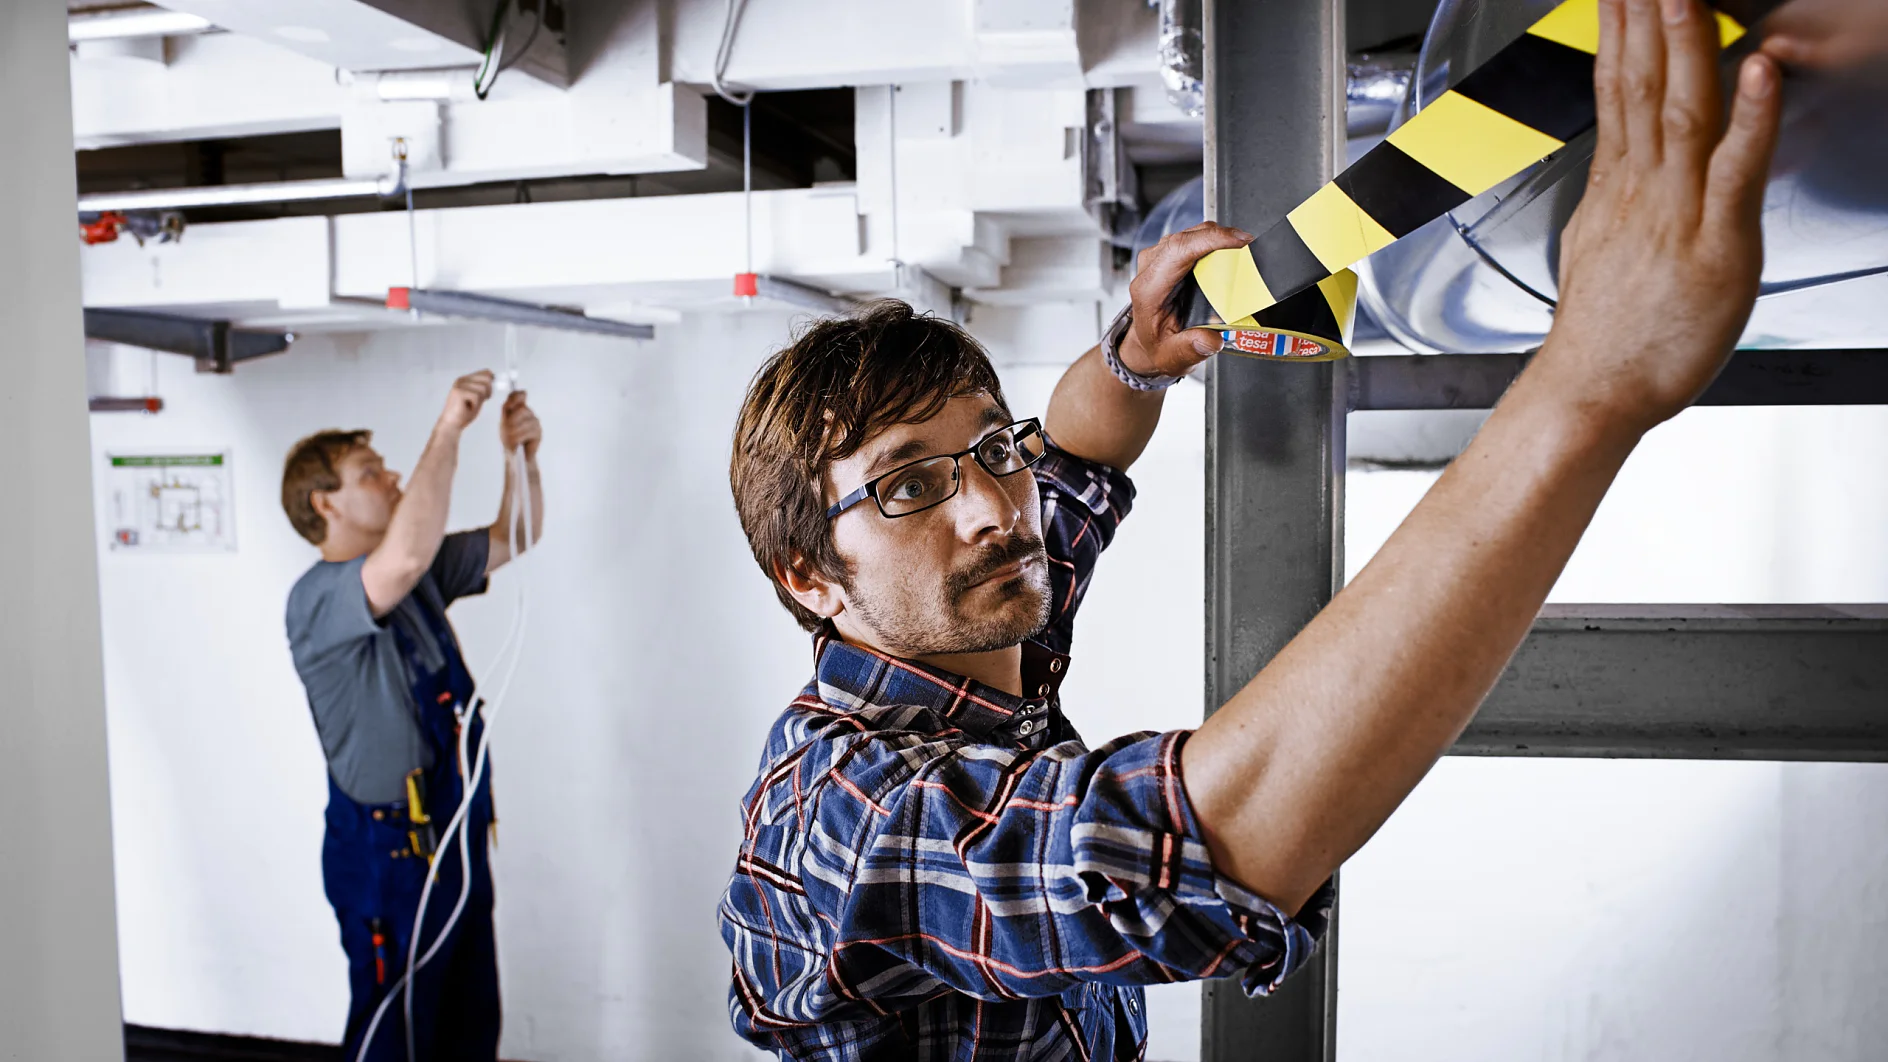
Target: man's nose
984,507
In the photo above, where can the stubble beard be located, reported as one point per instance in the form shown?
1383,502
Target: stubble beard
946,629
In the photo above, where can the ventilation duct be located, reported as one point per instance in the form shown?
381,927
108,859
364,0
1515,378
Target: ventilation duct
1484,278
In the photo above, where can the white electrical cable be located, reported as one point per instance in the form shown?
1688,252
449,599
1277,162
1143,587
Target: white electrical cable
730,21
518,533
891,110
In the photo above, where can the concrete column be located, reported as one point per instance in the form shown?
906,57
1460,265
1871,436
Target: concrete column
58,923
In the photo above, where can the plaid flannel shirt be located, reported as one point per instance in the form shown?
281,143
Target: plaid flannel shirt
934,869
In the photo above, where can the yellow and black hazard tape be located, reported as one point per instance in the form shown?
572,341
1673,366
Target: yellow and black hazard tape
1290,294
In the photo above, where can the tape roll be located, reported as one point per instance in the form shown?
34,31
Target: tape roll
1293,283
1313,325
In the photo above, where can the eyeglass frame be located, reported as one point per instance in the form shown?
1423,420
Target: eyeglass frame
870,489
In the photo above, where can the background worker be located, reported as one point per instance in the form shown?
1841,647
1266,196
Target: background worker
934,863
389,691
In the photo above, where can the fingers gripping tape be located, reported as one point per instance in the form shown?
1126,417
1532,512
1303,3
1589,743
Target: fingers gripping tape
1290,294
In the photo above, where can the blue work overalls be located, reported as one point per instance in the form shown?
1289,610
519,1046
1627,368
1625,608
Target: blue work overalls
374,877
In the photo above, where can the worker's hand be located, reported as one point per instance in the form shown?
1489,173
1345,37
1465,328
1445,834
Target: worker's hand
1659,265
1827,34
518,426
1156,345
467,398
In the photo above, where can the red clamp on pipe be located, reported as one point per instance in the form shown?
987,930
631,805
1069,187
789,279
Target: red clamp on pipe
397,299
103,230
747,285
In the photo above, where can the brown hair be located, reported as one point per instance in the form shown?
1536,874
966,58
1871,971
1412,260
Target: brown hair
315,464
840,383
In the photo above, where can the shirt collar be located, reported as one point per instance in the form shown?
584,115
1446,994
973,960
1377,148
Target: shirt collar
852,678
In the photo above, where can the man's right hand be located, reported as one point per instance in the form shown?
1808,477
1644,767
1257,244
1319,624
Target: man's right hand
1659,265
469,395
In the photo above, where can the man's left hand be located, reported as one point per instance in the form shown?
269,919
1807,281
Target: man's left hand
519,426
1156,345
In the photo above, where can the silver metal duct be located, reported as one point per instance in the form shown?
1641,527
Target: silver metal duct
1182,48
1484,278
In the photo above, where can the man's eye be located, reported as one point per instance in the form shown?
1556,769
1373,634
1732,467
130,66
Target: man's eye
997,450
910,490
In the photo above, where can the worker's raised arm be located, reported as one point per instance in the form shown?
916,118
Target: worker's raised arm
1108,416
419,521
1659,269
517,428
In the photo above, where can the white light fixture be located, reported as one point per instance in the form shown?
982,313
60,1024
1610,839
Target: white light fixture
140,22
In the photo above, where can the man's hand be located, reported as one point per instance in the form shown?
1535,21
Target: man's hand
1156,345
518,426
1827,34
1298,769
1659,265
469,394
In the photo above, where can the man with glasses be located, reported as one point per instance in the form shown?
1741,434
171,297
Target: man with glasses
934,864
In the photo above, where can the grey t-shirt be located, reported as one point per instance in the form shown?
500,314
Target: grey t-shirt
359,683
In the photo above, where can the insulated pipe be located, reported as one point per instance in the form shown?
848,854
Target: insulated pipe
236,194
138,22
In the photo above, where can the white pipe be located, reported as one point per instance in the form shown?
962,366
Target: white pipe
236,194
142,22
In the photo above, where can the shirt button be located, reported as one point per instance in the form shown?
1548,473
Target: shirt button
1042,690
1055,666
1028,726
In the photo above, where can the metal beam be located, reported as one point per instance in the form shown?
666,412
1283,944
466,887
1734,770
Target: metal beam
1753,378
214,344
511,311
1736,682
1274,436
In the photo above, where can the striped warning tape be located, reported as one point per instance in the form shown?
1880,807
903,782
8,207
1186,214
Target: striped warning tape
1290,293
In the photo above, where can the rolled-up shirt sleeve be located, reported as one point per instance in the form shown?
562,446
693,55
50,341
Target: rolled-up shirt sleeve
1009,873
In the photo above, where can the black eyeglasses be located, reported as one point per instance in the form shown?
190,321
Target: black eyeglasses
932,481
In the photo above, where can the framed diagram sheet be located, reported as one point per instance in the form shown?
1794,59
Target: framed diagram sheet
170,502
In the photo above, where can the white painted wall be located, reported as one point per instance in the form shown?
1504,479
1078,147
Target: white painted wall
1692,910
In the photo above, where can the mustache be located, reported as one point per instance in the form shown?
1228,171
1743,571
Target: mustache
993,559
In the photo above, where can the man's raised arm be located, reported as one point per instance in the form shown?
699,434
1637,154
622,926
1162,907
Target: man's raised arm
1659,269
418,525
1093,413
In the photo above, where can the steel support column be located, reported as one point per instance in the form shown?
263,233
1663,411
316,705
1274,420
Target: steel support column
1274,434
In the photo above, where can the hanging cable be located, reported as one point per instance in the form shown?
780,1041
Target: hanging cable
891,109
523,49
520,535
747,177
412,225
730,22
490,63
746,283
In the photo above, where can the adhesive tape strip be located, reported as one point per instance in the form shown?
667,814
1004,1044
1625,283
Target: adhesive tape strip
1290,294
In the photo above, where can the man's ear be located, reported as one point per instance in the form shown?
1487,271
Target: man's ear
815,593
323,505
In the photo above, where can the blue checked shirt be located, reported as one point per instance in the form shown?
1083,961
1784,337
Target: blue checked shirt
934,869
